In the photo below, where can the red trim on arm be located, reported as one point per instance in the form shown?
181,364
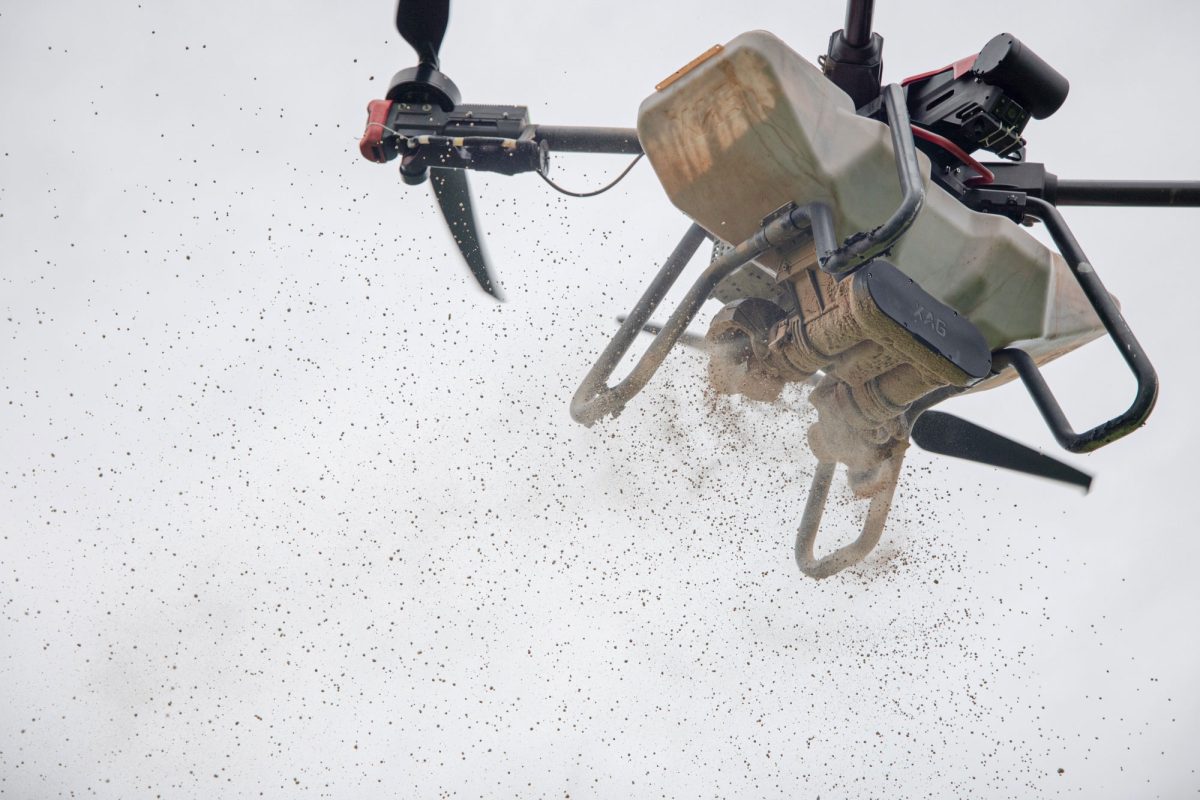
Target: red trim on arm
371,145
960,67
986,176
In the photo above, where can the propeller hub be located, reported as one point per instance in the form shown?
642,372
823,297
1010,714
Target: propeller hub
424,85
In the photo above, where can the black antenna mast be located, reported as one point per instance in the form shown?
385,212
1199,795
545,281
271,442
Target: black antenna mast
855,58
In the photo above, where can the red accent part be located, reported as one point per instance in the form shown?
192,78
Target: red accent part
371,145
986,176
960,67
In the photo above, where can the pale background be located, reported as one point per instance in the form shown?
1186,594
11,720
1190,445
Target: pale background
288,507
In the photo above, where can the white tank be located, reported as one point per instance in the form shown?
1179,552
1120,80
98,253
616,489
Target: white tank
753,126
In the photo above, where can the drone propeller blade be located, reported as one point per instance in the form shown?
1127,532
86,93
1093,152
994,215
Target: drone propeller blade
949,435
454,197
422,23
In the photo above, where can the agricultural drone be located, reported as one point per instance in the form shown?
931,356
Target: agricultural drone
857,243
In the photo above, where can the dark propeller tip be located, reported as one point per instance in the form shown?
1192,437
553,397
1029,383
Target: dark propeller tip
953,436
423,23
453,195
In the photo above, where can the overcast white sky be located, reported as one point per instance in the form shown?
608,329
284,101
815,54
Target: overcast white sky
287,507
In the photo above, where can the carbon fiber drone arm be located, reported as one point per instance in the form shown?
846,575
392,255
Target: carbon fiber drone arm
1163,194
488,138
586,139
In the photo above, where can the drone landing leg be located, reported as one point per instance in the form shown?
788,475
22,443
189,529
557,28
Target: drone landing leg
595,399
1118,330
585,406
856,551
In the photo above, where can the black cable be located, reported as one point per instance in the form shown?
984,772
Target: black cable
601,190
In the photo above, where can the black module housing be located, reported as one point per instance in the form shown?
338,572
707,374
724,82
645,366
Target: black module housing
987,106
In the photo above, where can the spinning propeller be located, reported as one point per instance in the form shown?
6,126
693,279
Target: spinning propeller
422,23
948,435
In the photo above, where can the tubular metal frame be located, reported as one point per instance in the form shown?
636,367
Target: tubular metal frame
595,399
1118,330
862,247
814,507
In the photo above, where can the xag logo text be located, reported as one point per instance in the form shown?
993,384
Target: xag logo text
927,319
